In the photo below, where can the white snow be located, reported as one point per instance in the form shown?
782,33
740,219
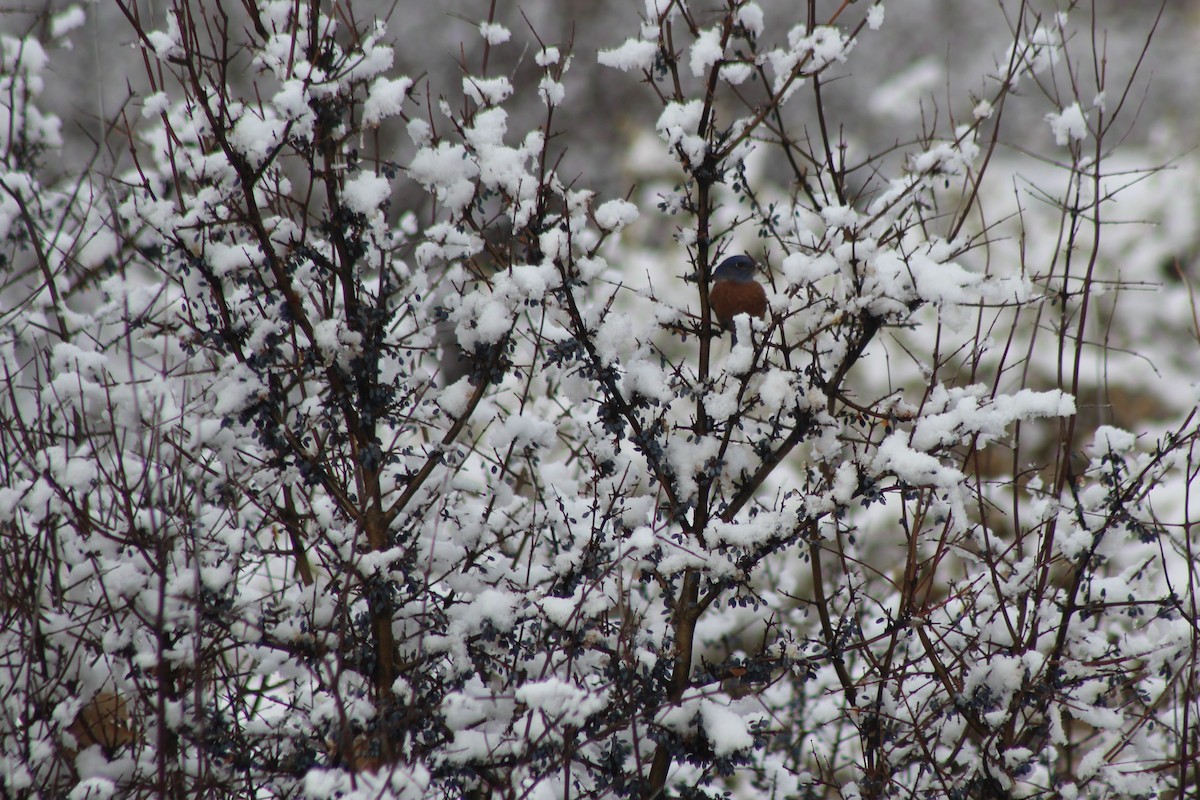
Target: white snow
725,730
875,16
494,33
255,136
453,398
633,55
1070,125
386,99
705,51
895,455
166,43
616,214
448,171
63,23
1108,439
571,704
366,192
487,91
801,269
678,125
155,104
750,16
551,91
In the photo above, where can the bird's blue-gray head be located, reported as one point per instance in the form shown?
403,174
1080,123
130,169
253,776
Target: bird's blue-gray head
739,269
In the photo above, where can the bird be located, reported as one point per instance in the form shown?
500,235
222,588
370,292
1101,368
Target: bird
734,291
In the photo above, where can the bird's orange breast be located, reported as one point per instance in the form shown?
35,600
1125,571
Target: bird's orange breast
730,298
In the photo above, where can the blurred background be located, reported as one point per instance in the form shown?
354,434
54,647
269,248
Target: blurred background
923,64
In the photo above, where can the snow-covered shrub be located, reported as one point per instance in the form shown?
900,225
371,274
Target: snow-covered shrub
311,493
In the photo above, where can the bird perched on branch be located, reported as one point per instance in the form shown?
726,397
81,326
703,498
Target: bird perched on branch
734,291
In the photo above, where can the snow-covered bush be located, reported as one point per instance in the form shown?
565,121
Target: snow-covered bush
311,489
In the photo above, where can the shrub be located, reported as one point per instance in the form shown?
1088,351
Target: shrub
352,447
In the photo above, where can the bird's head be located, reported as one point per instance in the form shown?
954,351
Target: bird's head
735,268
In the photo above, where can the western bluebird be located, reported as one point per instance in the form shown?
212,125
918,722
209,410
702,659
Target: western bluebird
735,291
